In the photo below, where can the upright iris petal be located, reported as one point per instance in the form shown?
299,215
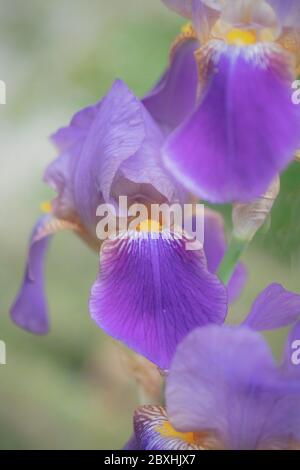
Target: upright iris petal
60,173
203,13
288,12
245,129
151,292
113,144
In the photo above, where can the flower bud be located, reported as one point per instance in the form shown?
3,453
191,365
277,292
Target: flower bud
249,218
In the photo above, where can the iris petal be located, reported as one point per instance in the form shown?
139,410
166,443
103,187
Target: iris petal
246,128
174,97
60,173
151,292
30,310
225,380
132,444
288,12
274,308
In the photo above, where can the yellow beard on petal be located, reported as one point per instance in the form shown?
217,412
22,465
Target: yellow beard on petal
166,430
150,226
240,37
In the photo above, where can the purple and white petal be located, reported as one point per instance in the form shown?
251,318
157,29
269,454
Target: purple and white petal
224,380
154,431
174,96
30,310
245,129
151,292
274,308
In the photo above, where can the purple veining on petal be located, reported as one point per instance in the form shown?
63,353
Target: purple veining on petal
151,292
114,141
274,308
30,310
149,423
244,131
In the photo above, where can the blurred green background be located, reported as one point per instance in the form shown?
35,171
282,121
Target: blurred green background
69,389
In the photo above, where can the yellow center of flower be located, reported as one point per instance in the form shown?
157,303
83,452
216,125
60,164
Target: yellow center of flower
166,430
148,225
240,37
46,207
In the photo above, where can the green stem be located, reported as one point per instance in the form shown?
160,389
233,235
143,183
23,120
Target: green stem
231,258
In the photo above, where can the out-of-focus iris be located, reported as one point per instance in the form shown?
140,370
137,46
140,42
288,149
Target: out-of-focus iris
245,128
225,391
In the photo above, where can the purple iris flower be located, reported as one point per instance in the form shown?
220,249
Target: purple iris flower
245,128
112,149
151,292
224,389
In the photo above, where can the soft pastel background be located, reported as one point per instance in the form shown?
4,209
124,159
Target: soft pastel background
69,389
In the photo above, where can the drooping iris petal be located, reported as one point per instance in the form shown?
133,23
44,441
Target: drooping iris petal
30,310
132,444
154,431
174,96
224,380
288,12
215,246
151,292
274,308
245,129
